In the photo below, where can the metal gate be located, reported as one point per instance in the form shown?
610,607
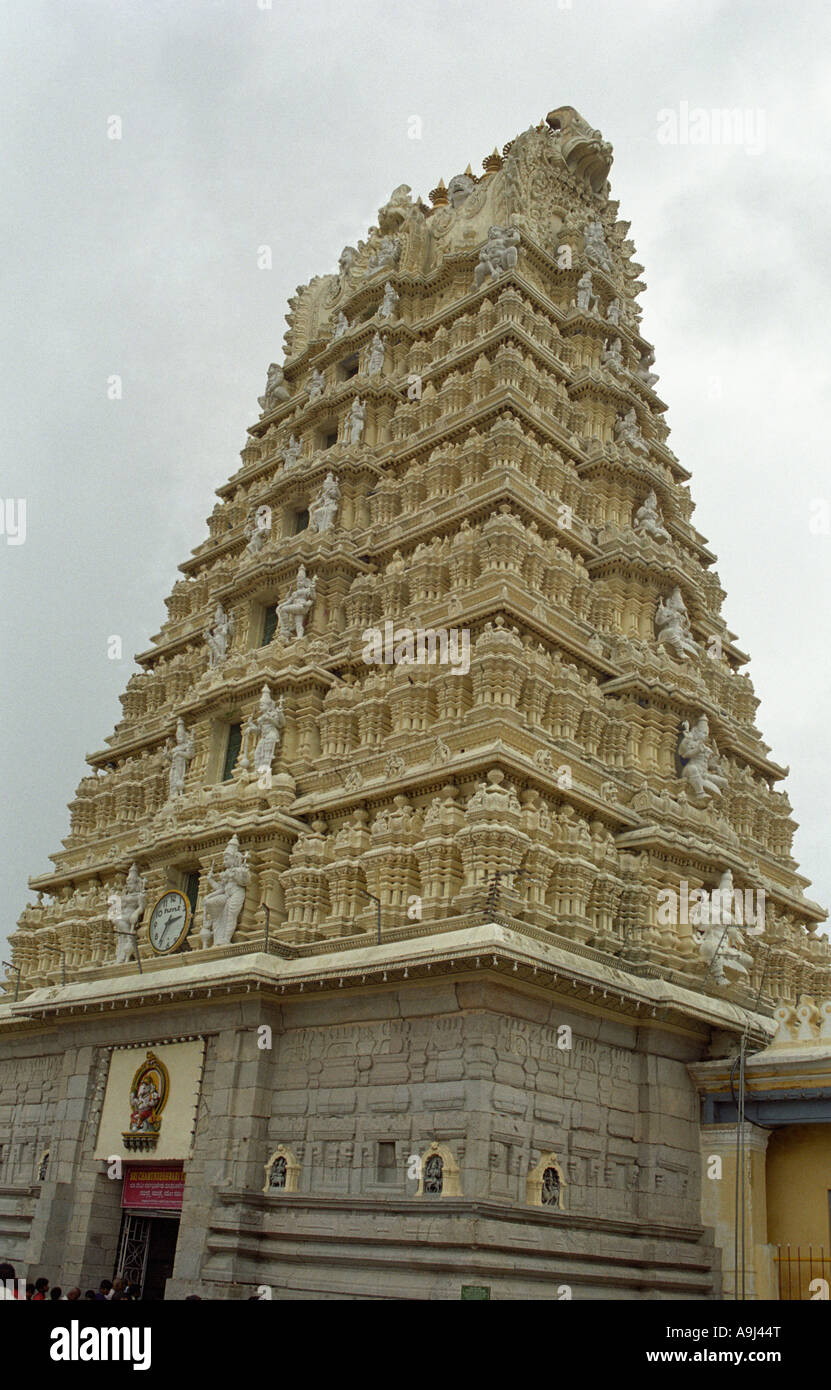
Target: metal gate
133,1249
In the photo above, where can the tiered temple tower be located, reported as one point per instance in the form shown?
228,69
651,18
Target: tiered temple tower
451,667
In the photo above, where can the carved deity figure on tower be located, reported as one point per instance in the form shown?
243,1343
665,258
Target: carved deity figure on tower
179,755
223,904
385,256
296,606
498,254
276,390
291,453
341,326
219,637
389,302
586,300
627,431
642,370
459,188
613,356
346,260
648,520
594,241
720,938
355,421
613,312
317,385
267,727
377,352
396,210
672,626
126,911
701,762
257,529
324,509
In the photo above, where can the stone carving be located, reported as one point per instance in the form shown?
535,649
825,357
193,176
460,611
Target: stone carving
355,421
672,626
179,755
267,727
258,529
126,911
583,150
498,254
642,370
317,385
296,606
720,940
648,520
395,212
613,312
394,765
613,356
627,431
377,352
385,256
586,300
341,326
219,637
291,453
594,241
701,762
389,303
459,188
324,509
224,904
276,390
346,260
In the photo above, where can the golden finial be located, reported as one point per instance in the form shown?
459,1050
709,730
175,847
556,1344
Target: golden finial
492,162
438,197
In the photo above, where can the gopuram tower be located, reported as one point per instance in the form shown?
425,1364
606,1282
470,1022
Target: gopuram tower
436,861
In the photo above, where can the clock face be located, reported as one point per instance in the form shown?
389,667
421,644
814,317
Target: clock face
169,922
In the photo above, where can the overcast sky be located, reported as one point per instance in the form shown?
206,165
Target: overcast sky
245,126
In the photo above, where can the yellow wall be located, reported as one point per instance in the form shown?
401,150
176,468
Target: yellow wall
798,1187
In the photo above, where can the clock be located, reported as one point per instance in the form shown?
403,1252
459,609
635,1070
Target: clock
169,922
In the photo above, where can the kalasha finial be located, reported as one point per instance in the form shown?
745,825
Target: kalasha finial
492,162
438,197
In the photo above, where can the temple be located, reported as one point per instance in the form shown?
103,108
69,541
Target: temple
428,925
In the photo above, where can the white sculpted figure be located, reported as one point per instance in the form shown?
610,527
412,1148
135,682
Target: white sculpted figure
126,911
586,300
595,243
386,255
388,303
291,453
219,636
267,727
672,626
355,421
224,904
648,520
257,529
701,762
317,385
720,941
324,509
377,352
179,755
341,326
297,605
642,370
627,431
613,312
460,187
346,260
613,356
275,389
498,254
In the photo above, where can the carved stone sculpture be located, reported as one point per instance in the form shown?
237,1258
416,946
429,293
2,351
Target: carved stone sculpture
291,453
126,911
324,509
648,521
396,210
701,762
613,356
296,606
355,421
594,241
275,389
377,352
179,755
586,300
721,941
389,302
317,385
672,626
385,256
219,637
257,529
459,188
267,727
498,254
346,260
224,903
627,431
613,312
341,326
642,370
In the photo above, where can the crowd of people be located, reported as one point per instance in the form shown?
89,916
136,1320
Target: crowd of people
41,1291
